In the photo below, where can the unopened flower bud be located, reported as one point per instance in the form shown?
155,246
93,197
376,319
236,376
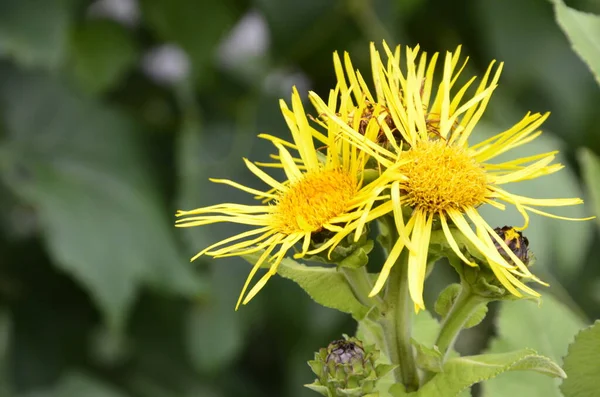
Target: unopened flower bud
347,368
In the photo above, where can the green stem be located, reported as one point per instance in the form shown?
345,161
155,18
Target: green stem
361,285
464,306
400,308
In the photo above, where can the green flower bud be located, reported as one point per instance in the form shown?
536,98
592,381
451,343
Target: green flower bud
347,368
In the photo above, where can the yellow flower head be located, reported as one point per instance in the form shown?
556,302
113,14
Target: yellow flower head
421,141
322,192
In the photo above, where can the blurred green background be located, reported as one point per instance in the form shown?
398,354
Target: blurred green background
114,113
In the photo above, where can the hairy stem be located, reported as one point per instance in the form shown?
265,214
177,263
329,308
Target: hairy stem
400,312
464,306
361,285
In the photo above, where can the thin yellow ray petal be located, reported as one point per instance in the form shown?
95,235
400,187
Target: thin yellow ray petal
460,222
452,241
305,245
278,140
549,215
516,163
524,172
387,267
224,253
266,178
197,221
230,207
417,259
472,116
267,230
339,72
286,245
292,172
242,187
399,216
273,243
489,231
514,198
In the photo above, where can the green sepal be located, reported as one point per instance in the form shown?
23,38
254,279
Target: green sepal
322,390
356,392
428,359
446,299
383,369
348,253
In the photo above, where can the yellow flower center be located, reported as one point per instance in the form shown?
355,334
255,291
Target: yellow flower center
313,201
442,177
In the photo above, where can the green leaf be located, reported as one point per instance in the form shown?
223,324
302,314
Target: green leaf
583,31
428,359
81,167
35,32
76,384
425,328
324,285
213,336
102,52
590,163
547,328
462,372
582,364
191,24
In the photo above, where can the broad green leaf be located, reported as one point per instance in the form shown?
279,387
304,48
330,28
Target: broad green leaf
548,329
81,167
462,372
192,25
583,31
35,32
590,163
582,364
102,52
325,285
213,336
425,328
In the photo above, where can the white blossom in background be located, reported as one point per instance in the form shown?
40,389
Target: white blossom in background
167,64
280,82
126,12
248,40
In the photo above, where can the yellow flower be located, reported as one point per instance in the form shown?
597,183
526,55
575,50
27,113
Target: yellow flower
322,192
422,143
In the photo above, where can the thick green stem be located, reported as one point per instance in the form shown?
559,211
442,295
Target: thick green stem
361,285
464,306
400,309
